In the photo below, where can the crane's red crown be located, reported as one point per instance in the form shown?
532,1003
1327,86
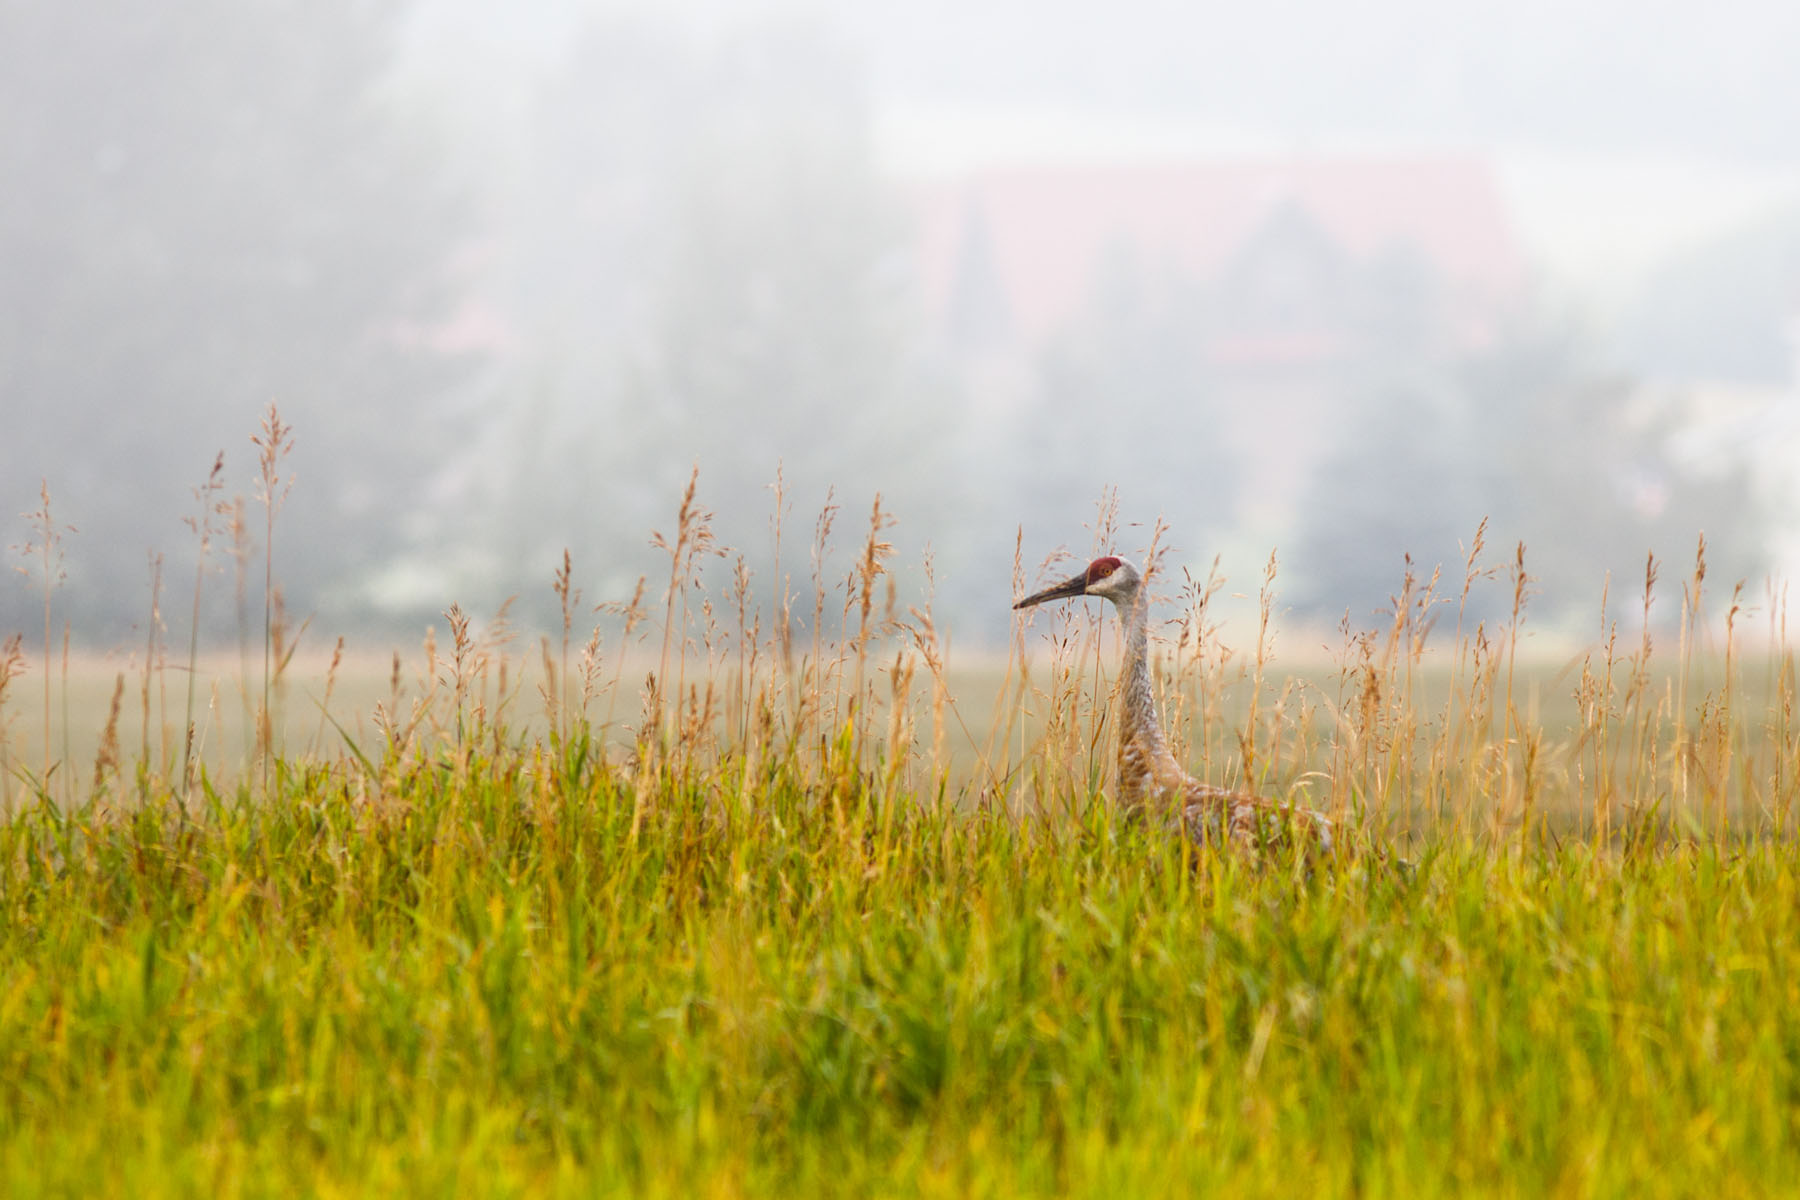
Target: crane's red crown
1100,568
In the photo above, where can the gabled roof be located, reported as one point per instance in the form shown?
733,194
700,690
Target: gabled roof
1049,228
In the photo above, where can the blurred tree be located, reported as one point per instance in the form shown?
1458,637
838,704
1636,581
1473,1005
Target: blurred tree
1126,399
725,270
1577,464
1583,466
1726,310
207,209
1400,483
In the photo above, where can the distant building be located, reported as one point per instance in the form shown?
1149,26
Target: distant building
1294,260
1291,280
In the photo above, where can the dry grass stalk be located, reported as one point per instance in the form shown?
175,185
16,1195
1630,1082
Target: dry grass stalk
731,704
106,762
237,524
1691,591
813,674
153,627
555,689
273,444
693,539
44,551
12,665
861,585
210,509
783,598
331,676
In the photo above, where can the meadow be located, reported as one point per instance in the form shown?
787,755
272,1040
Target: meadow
714,899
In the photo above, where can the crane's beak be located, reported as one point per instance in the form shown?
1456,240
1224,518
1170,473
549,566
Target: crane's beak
1061,591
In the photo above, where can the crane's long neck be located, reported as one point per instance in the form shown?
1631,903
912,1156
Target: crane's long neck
1145,765
1137,698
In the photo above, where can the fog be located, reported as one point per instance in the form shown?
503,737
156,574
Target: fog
1332,283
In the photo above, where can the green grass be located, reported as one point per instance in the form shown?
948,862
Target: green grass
530,977
719,911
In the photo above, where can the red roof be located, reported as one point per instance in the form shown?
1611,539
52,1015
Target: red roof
1049,227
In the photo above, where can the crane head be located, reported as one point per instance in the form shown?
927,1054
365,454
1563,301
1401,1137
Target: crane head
1108,576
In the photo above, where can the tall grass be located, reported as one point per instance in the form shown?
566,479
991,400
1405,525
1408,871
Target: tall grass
44,554
202,523
745,900
273,442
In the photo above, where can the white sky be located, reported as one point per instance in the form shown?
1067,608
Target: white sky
1622,130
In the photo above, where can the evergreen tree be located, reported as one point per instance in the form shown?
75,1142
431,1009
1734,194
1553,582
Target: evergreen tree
207,210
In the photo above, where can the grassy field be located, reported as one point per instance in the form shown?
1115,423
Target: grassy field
828,916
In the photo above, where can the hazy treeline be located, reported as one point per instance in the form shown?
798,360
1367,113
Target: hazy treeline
206,211
690,257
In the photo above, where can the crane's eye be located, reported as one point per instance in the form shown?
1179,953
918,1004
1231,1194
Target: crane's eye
1101,568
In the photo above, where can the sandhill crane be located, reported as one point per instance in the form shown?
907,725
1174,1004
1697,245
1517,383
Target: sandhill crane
1150,780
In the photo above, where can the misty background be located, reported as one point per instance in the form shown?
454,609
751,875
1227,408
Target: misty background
1333,282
